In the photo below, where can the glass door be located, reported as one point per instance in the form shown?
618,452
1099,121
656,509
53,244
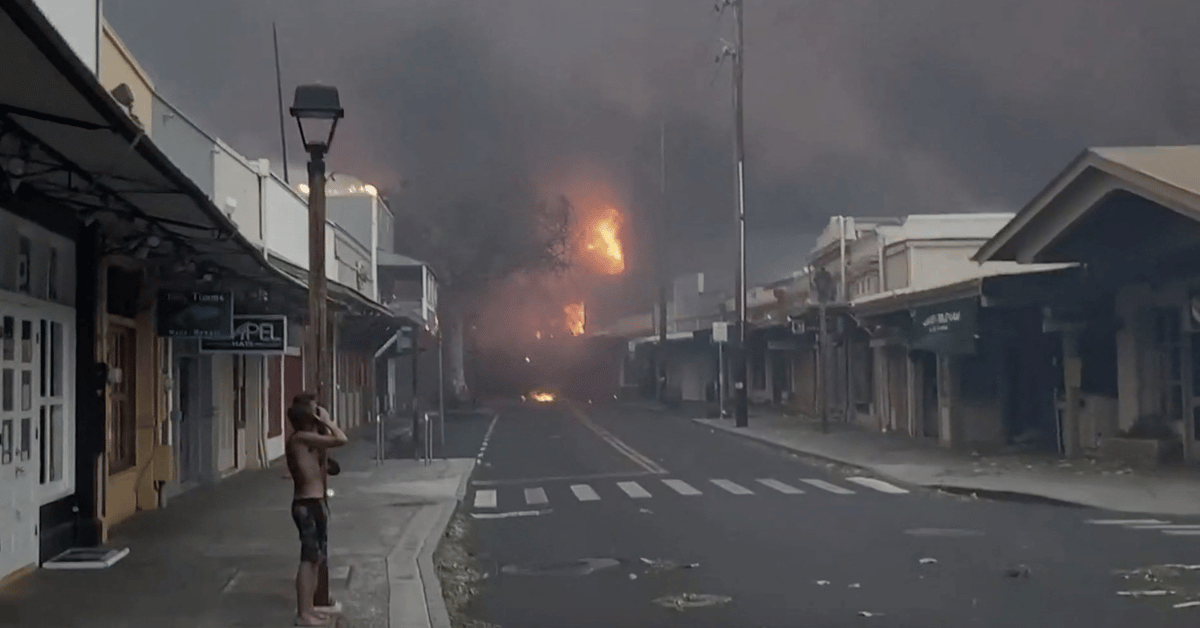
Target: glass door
20,451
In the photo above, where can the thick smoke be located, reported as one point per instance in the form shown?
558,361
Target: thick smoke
867,107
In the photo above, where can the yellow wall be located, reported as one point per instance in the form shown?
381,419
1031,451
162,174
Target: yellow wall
124,493
118,66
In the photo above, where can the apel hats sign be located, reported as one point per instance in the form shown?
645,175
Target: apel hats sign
251,334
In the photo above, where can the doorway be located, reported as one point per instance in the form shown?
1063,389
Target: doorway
781,380
20,451
927,365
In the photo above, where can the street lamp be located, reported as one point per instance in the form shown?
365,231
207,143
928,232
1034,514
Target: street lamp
317,110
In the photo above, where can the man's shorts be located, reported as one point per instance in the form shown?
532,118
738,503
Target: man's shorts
312,521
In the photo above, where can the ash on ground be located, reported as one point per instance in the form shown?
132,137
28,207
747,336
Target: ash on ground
459,574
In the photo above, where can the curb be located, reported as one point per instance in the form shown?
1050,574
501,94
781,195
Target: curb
414,591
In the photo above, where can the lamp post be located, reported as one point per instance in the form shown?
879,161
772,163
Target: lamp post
317,110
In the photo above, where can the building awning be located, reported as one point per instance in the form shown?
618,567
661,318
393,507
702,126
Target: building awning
82,151
884,303
1110,206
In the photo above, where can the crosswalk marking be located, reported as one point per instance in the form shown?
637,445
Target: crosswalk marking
1124,522
536,496
1167,526
681,487
879,485
633,489
485,499
539,496
826,486
584,493
732,487
780,486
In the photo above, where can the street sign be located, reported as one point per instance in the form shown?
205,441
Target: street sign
182,314
720,331
251,334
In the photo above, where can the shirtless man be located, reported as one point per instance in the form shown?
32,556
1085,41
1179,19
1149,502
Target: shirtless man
306,450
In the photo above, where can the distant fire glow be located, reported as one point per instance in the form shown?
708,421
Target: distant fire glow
602,241
575,318
541,397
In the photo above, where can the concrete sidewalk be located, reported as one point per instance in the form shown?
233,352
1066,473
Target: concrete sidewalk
1109,486
226,555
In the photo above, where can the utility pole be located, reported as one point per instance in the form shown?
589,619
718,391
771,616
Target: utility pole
660,246
823,283
741,410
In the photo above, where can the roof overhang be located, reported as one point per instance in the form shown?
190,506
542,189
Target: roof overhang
1025,278
83,152
1167,176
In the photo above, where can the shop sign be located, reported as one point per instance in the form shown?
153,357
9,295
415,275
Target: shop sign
188,314
949,327
251,334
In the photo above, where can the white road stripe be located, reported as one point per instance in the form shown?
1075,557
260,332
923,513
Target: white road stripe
1167,526
506,515
633,489
826,486
584,493
1182,532
1124,522
536,496
485,499
681,487
879,485
780,486
736,489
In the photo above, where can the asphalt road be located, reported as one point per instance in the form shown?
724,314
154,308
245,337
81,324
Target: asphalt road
791,542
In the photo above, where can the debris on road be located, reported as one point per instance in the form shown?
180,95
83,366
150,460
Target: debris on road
854,586
681,601
1020,571
822,583
581,567
928,561
869,614
645,511
1146,593
633,576
458,572
663,564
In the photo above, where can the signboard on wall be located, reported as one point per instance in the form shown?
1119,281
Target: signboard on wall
251,334
947,328
186,314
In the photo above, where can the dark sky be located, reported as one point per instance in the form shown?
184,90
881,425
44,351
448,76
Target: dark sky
862,107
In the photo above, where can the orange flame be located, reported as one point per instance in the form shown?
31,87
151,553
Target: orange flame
542,397
603,241
575,318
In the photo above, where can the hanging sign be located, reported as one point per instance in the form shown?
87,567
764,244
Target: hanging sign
251,334
186,314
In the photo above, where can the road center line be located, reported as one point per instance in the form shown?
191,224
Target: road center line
623,448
